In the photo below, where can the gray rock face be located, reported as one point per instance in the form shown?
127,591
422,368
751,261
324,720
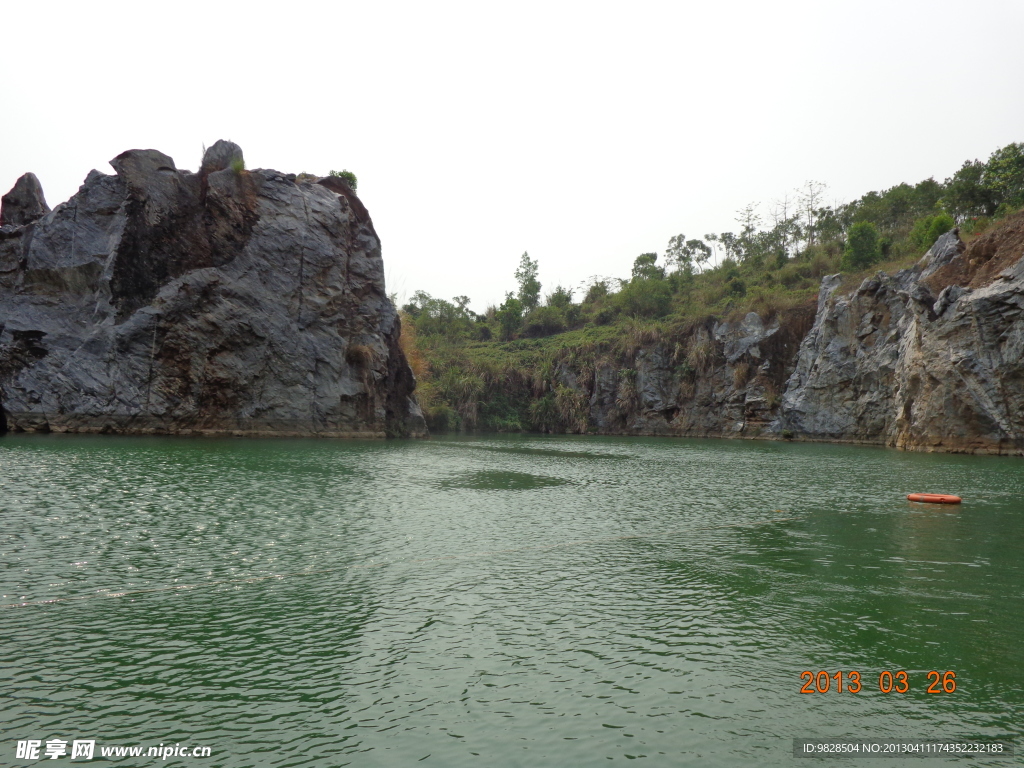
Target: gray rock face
221,302
847,363
892,364
24,203
724,380
942,252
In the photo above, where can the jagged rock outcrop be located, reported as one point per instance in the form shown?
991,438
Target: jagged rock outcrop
24,204
220,302
931,358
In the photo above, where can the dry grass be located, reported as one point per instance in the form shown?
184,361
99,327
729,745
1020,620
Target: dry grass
740,375
573,409
627,397
701,351
360,356
410,348
638,334
687,388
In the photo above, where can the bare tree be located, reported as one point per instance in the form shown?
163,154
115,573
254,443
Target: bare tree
748,218
809,200
780,216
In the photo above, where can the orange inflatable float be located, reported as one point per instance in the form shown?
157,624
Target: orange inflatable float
934,498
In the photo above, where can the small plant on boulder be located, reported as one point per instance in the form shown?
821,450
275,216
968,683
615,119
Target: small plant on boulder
347,176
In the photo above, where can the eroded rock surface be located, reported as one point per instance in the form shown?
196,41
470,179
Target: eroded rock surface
894,363
931,358
221,302
24,204
724,380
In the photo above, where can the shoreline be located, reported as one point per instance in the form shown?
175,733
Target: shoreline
260,434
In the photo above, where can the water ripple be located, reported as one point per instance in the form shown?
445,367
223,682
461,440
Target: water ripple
499,601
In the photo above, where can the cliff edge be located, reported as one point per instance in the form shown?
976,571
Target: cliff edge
159,301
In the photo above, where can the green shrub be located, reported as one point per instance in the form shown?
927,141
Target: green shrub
1004,210
862,247
928,229
544,321
976,225
544,416
793,274
573,315
510,316
942,224
645,298
441,418
597,290
560,297
605,314
347,176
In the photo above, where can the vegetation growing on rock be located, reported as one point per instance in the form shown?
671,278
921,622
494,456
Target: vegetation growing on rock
529,364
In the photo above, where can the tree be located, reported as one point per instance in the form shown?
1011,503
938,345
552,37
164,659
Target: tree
862,246
927,194
1004,175
347,176
831,222
529,285
687,254
732,245
644,267
712,238
560,297
810,200
749,221
510,316
597,289
966,195
785,224
437,317
700,251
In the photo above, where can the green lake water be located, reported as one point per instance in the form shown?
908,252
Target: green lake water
501,600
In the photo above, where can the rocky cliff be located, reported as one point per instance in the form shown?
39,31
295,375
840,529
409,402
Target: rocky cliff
723,379
219,302
931,358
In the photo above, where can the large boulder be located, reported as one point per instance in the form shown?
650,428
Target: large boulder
222,156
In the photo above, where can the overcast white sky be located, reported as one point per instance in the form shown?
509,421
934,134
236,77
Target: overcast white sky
585,133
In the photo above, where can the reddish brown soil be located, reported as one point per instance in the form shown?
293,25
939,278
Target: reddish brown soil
985,257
